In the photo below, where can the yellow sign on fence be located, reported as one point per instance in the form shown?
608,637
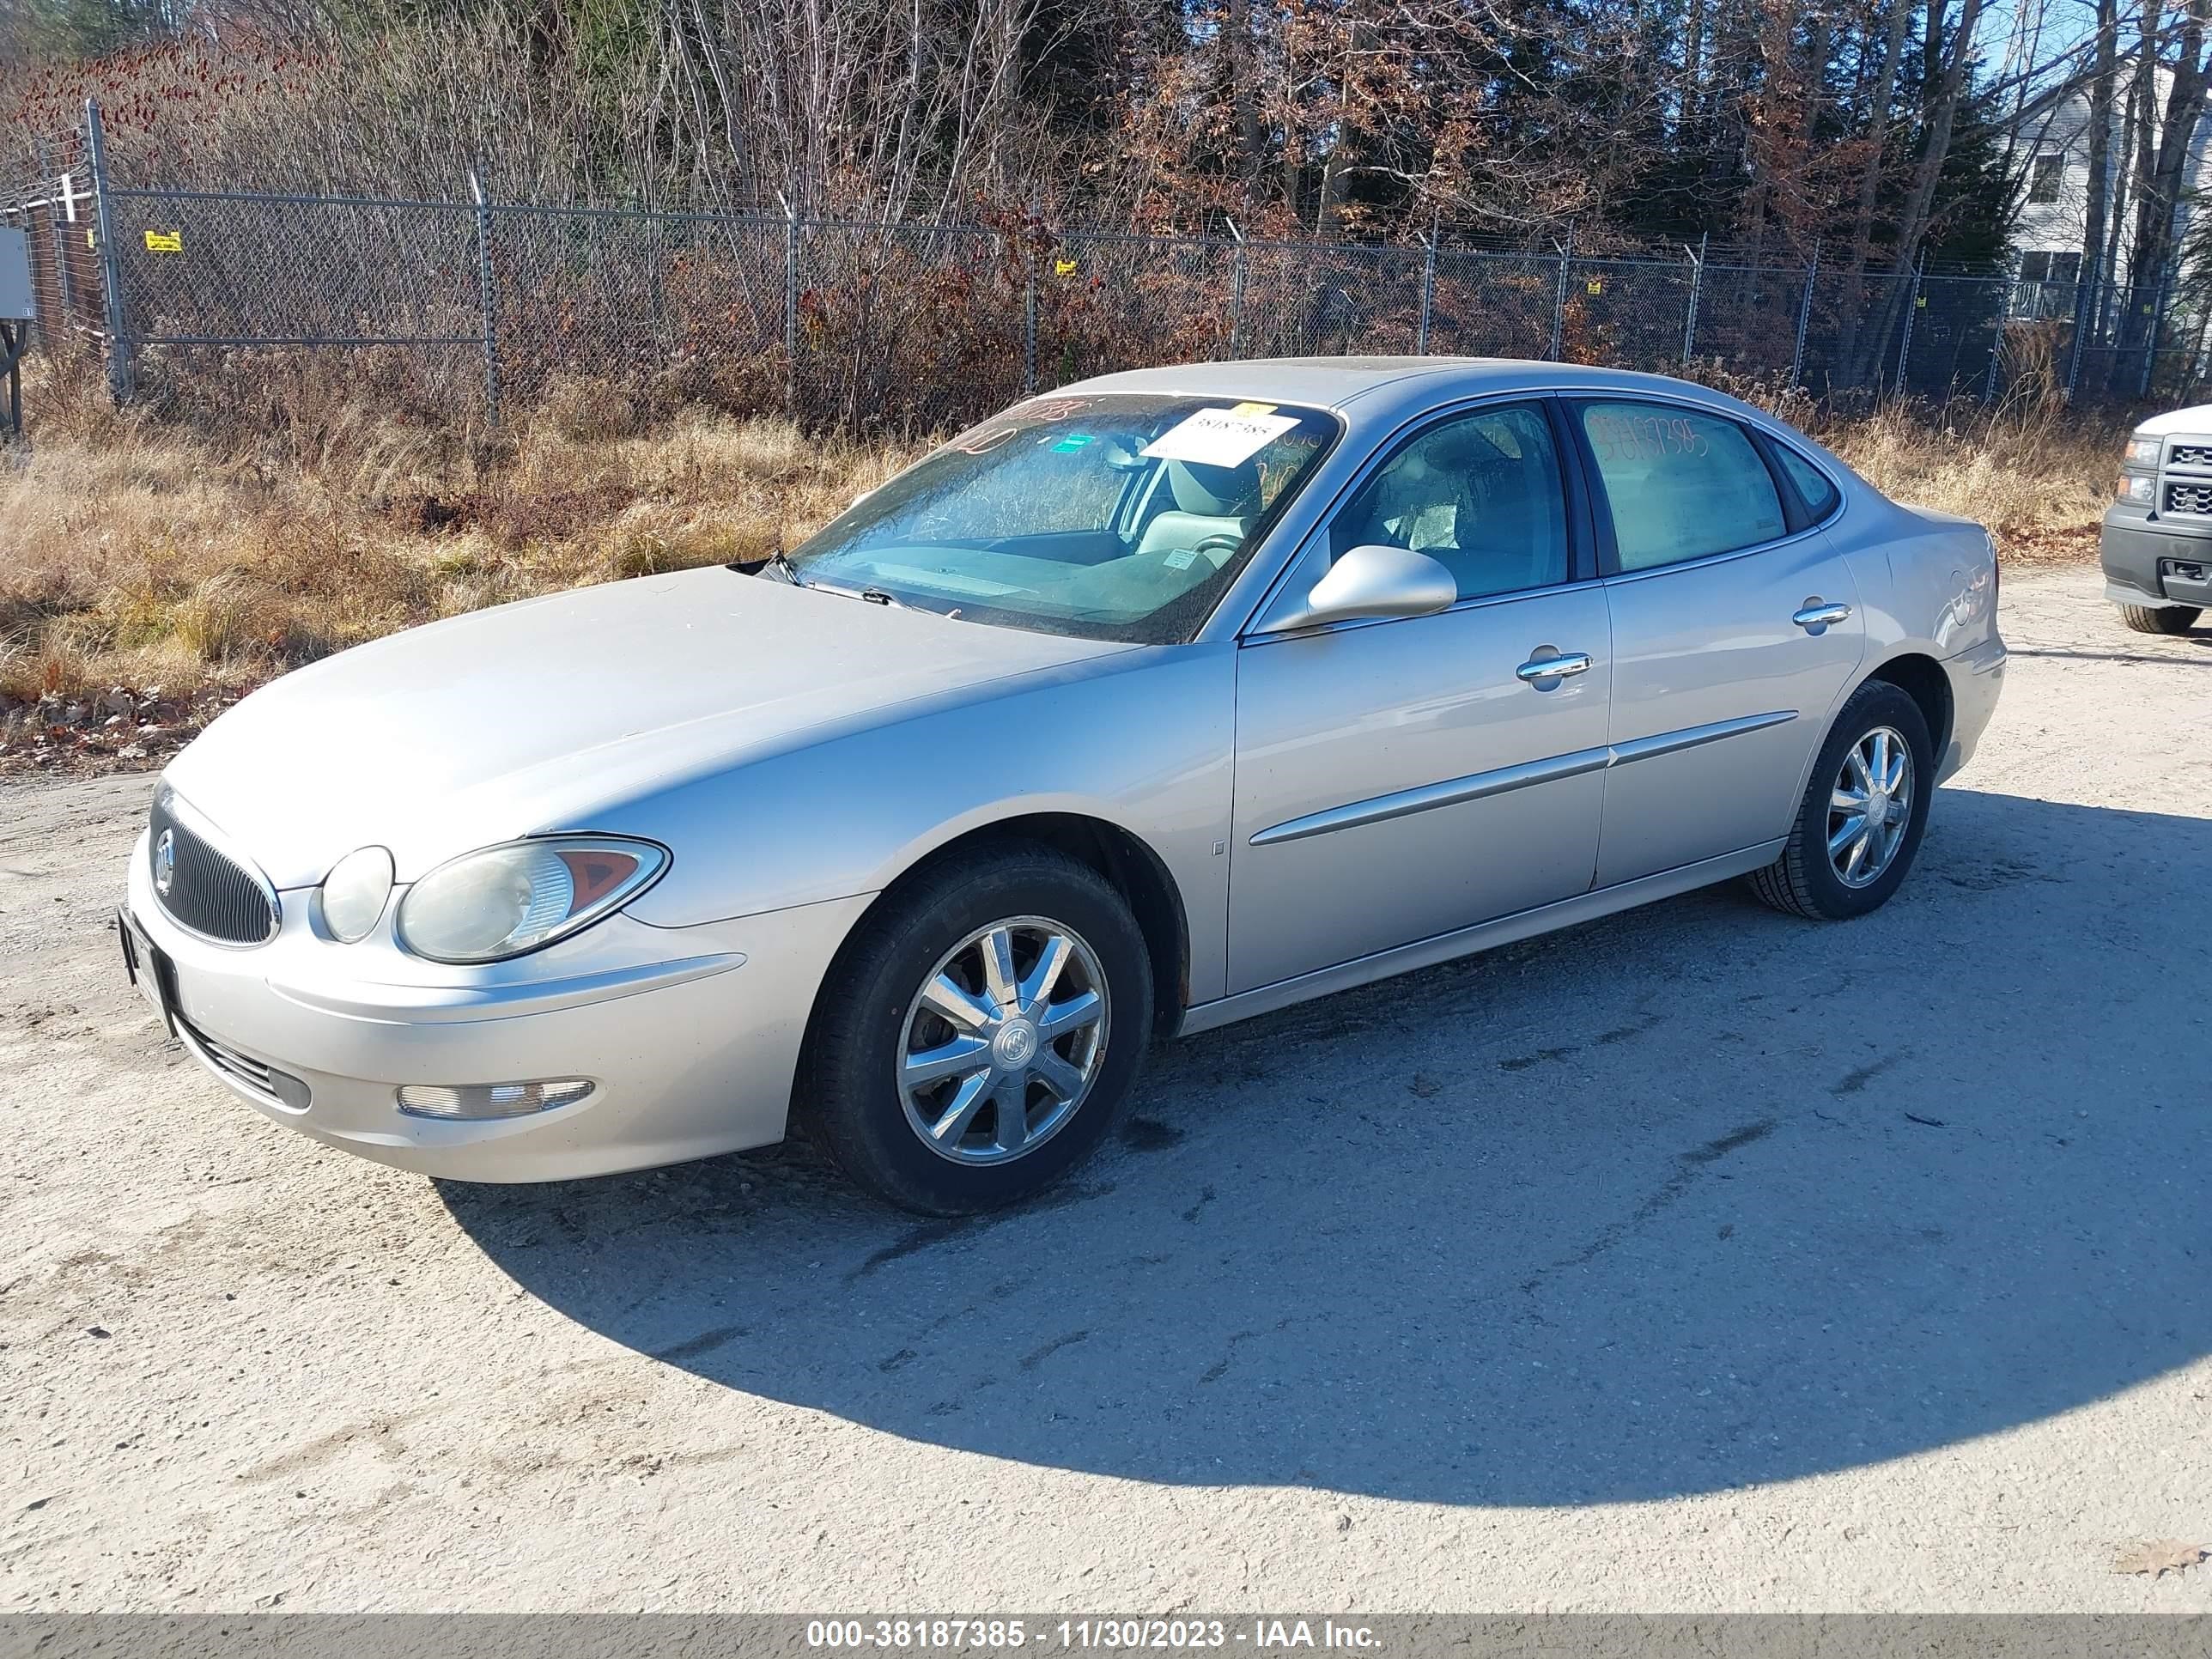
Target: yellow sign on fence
1063,267
165,241
1596,285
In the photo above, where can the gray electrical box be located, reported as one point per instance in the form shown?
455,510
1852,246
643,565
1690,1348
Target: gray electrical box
16,304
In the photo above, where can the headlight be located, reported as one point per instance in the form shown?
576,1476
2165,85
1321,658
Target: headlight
2142,451
504,900
2133,488
353,895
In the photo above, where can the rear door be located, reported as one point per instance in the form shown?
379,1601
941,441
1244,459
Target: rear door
1736,629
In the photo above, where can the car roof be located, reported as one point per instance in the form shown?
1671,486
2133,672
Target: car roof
1336,382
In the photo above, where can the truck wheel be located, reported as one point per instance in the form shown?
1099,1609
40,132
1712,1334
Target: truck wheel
2160,618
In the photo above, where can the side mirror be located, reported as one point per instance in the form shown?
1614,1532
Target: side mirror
1374,580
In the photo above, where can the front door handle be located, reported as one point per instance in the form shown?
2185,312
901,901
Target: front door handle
1817,616
1561,666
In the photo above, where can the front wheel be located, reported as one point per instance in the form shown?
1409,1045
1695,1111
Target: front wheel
976,1038
1863,812
2160,618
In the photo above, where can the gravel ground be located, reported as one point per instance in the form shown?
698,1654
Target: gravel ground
1696,1259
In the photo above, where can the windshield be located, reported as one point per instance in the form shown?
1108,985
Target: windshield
1121,516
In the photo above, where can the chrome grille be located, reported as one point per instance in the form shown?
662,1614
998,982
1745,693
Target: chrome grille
2190,455
203,887
2189,498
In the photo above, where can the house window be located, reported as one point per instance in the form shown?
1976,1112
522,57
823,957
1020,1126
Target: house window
2044,178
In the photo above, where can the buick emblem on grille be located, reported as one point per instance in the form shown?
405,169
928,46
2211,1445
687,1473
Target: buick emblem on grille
165,862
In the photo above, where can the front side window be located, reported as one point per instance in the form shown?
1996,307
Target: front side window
1681,484
1120,516
1480,495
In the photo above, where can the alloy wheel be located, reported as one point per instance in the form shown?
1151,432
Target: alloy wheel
1870,807
1003,1041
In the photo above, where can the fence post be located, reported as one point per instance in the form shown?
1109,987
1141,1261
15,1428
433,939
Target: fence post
656,253
1428,288
120,377
2084,308
1996,343
1559,296
791,307
1912,312
1804,318
487,297
46,332
2164,292
1237,296
62,223
1697,288
2197,353
1028,318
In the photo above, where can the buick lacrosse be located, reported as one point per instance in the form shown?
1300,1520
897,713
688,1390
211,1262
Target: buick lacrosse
1172,697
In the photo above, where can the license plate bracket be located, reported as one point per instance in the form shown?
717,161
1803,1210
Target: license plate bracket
148,967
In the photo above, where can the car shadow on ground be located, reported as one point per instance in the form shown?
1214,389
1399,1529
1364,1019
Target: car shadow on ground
1690,1198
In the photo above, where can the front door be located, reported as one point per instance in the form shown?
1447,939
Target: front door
1397,779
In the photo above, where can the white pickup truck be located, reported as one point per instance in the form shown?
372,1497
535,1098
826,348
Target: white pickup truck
2158,531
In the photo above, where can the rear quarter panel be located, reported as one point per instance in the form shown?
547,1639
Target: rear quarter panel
1926,579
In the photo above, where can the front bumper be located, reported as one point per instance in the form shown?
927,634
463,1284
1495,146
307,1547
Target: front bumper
2148,562
691,1036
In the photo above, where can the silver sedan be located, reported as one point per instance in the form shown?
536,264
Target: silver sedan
1170,698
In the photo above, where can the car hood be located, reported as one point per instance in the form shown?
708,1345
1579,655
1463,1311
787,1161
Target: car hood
528,717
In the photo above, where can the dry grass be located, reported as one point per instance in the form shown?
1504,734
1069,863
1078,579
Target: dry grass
149,575
2039,478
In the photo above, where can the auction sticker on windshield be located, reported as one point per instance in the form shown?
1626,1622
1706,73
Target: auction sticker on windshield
1219,437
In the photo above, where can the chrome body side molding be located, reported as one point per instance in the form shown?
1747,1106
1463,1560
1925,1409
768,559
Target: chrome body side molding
1479,785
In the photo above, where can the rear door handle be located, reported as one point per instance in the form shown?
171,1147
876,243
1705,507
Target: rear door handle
1564,665
1817,616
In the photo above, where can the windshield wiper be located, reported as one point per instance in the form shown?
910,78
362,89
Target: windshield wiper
775,561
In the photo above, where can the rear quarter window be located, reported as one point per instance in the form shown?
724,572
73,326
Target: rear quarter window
1812,485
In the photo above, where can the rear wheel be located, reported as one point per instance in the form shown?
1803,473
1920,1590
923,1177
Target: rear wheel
977,1039
2160,618
1863,813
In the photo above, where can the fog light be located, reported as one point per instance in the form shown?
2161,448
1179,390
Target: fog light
491,1099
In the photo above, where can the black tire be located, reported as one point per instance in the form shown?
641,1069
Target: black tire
849,1097
2160,618
1803,882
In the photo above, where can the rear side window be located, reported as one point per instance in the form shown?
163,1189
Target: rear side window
1811,484
1681,484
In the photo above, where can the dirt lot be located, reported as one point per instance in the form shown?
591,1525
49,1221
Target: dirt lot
1695,1259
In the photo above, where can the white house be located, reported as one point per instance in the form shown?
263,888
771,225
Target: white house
2052,213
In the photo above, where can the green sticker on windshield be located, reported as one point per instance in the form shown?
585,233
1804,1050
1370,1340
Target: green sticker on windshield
1071,443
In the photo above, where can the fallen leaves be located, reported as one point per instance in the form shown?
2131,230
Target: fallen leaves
2155,1560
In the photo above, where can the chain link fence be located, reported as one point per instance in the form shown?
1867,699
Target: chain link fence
470,307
